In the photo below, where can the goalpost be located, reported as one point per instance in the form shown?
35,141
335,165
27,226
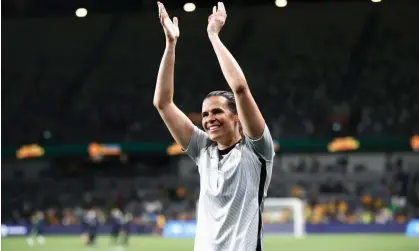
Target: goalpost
284,216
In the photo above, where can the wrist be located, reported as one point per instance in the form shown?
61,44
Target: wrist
170,45
212,35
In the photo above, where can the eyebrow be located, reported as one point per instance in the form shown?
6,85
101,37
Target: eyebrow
217,109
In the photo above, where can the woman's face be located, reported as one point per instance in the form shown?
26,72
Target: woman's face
217,119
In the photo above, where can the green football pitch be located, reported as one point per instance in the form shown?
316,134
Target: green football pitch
271,243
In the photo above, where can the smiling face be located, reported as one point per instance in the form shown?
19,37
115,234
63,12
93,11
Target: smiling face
220,123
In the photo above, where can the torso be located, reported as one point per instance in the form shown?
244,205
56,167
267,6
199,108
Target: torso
229,210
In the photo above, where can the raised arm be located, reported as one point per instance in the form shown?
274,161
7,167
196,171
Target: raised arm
249,114
179,125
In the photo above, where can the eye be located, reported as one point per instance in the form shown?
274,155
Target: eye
217,111
204,114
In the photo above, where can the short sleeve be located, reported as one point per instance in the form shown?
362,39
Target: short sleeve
264,146
199,141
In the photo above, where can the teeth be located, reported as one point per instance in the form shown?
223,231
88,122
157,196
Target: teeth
211,128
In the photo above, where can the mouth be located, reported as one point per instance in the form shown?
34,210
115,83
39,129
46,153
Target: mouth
213,128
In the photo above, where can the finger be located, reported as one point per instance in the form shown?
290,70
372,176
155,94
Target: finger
162,9
214,9
159,6
165,21
163,14
162,17
221,7
175,21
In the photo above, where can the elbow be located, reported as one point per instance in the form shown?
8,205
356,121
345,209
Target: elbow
157,103
240,87
162,99
238,84
160,104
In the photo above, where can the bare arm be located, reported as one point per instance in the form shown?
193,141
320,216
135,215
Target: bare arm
248,111
179,125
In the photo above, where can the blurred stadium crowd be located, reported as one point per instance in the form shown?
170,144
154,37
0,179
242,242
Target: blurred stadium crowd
314,71
336,190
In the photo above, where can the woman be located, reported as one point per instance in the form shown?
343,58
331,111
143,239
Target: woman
234,153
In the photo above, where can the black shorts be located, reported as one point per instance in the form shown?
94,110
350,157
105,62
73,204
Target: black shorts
91,235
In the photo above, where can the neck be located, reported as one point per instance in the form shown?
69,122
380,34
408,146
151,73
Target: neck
228,143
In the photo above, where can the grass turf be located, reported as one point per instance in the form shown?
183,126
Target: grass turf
271,243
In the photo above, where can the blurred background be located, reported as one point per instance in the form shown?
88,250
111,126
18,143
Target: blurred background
337,82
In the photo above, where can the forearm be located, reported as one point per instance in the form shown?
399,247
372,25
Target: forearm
165,79
229,66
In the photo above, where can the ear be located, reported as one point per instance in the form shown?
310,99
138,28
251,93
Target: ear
236,118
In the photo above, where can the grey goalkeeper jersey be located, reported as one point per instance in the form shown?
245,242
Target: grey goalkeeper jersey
232,191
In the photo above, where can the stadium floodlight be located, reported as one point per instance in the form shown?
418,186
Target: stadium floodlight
281,3
81,12
189,7
375,1
284,216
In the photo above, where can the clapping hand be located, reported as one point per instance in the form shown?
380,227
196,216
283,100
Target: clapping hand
217,19
171,28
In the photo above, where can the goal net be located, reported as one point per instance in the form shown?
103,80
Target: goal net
284,216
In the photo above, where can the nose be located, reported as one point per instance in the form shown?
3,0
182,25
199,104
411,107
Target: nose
210,118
